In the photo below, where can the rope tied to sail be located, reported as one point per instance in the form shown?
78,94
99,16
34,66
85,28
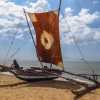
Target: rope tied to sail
10,47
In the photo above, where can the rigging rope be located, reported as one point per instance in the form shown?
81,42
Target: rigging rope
80,51
17,50
9,49
82,56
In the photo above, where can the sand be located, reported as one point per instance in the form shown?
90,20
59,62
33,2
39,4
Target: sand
15,89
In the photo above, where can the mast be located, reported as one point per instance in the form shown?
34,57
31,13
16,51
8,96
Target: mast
59,8
32,37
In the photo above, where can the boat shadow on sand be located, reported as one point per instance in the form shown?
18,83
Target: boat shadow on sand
50,83
73,87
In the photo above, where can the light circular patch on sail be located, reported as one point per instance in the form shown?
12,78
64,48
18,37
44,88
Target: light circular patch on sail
47,40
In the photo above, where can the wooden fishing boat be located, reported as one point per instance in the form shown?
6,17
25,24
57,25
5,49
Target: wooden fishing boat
47,45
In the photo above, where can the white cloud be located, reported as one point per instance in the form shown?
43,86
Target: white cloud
78,26
87,17
38,6
12,17
68,11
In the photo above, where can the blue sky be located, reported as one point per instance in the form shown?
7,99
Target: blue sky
78,18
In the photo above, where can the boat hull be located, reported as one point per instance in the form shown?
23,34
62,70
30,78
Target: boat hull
35,78
33,74
36,74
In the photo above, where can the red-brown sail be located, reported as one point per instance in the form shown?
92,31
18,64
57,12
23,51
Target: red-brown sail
46,26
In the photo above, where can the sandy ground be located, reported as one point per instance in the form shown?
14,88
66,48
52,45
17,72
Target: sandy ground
14,89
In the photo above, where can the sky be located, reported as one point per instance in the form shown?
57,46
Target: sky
79,28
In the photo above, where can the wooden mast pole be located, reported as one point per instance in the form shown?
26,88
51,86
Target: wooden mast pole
60,1
32,37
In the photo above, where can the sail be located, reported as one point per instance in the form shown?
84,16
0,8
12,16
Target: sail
46,26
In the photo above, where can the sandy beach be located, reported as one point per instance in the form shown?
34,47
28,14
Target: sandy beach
14,89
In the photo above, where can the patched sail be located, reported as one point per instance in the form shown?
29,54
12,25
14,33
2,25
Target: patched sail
46,26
